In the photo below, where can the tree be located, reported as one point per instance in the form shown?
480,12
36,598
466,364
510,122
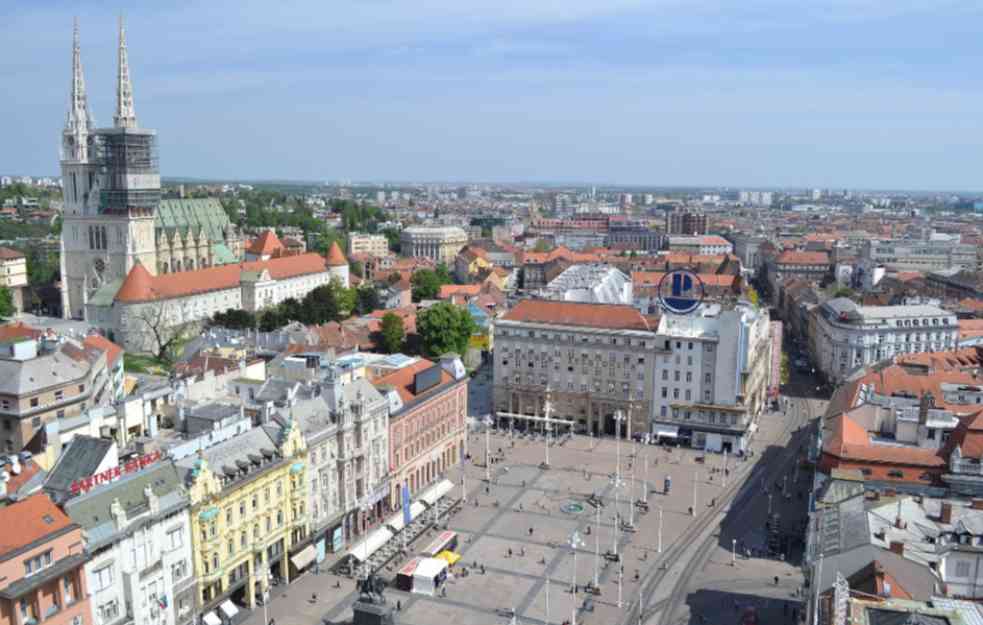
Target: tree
321,305
392,237
290,310
392,333
444,328
366,299
234,319
444,274
357,268
7,308
843,291
394,277
426,284
42,266
154,323
272,319
542,246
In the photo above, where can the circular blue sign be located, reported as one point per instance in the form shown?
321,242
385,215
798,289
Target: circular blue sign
680,292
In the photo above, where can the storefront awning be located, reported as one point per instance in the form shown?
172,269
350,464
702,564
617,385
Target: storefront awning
396,521
364,548
228,608
211,618
667,431
435,492
304,557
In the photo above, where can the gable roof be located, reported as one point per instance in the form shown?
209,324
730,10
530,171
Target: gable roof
113,351
140,286
402,380
29,521
608,316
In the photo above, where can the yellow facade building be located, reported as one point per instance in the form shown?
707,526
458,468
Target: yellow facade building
248,508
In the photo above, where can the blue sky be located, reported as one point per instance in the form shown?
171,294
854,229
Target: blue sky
860,94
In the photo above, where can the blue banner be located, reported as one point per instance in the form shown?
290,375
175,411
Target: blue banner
406,505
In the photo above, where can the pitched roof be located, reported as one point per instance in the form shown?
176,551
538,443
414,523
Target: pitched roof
267,244
792,257
140,286
18,330
850,441
608,316
28,521
8,254
402,380
335,256
113,351
448,290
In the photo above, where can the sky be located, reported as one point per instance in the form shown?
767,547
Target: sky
754,93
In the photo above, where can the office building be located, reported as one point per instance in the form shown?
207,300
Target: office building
686,223
375,245
439,244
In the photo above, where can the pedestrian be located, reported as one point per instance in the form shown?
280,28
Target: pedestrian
482,569
399,605
776,580
522,551
530,531
272,622
314,597
510,555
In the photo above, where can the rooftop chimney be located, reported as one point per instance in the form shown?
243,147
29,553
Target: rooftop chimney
946,514
897,547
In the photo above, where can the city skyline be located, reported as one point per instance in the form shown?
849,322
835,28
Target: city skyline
846,97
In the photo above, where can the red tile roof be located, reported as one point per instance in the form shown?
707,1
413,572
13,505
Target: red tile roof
8,254
850,442
19,330
402,379
449,290
113,351
335,256
140,286
28,521
791,257
970,328
608,316
268,244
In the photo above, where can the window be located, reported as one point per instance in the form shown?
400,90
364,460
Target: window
708,348
34,402
706,396
232,547
895,473
108,611
179,570
688,395
68,590
690,346
676,376
689,376
675,393
665,374
962,569
708,379
59,395
103,577
38,562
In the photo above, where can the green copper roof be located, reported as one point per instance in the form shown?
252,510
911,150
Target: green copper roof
222,255
105,294
206,213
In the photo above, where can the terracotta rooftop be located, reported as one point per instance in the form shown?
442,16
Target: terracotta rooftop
607,316
803,258
28,521
19,330
140,286
113,351
8,254
335,256
402,379
653,278
969,328
448,290
267,244
850,441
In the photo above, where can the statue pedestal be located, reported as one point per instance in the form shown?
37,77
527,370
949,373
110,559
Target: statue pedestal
372,614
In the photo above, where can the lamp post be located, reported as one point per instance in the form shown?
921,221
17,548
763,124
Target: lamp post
631,493
597,545
725,467
660,529
264,582
547,600
621,574
363,507
617,483
488,423
618,418
733,552
575,543
645,484
696,479
547,409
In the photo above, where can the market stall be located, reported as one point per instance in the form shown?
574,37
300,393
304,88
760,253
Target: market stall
429,574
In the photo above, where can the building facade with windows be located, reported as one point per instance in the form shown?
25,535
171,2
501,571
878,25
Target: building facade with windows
428,406
138,543
249,505
42,565
594,359
376,245
711,376
936,252
844,336
438,243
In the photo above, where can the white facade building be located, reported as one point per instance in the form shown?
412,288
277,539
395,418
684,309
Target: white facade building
937,251
440,244
137,532
845,336
704,245
711,376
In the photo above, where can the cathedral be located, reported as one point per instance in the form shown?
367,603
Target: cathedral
114,216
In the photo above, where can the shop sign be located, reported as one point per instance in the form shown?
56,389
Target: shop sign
109,475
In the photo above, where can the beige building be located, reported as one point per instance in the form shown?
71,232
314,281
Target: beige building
375,245
13,275
595,359
43,381
439,244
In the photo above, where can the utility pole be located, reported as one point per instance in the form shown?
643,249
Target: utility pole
696,479
597,545
488,423
645,490
660,529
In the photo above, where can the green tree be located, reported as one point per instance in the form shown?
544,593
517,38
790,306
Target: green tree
272,319
392,236
321,305
444,274
843,291
392,333
357,268
426,284
7,309
366,299
42,266
234,319
291,310
542,246
394,277
444,328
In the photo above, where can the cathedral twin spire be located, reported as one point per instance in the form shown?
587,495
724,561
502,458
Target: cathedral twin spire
79,118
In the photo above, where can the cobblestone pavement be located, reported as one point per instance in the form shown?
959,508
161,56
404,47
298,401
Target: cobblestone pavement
523,495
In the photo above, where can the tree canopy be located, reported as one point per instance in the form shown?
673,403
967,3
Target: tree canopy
392,333
7,308
444,328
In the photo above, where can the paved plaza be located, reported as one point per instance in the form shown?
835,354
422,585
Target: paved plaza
552,503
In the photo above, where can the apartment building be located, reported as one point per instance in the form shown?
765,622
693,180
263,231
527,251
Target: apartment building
712,373
844,336
375,245
937,251
428,405
138,542
811,267
42,566
594,359
47,380
706,245
13,275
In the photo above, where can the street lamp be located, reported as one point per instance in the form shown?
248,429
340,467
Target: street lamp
575,543
488,423
660,529
264,582
597,544
733,552
547,409
617,484
696,479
